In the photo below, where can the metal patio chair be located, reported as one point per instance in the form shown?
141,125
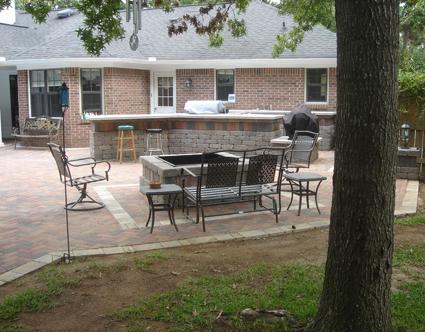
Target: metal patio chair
298,154
81,182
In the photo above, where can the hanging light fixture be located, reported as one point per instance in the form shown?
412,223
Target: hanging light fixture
189,83
134,6
405,132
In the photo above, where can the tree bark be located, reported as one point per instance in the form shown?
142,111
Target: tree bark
356,290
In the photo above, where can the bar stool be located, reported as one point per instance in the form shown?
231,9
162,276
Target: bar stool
125,133
154,140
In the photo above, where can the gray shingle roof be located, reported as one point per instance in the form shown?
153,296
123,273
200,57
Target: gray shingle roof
57,38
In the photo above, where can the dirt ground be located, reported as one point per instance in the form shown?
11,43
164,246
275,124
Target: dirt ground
86,307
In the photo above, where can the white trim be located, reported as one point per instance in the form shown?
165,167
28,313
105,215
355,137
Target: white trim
29,94
81,89
1,136
80,95
170,73
327,88
215,84
45,80
215,81
102,74
168,65
151,88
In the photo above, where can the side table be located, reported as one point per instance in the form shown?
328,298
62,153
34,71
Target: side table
296,180
169,190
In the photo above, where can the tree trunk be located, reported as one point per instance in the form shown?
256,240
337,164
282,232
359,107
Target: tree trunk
356,290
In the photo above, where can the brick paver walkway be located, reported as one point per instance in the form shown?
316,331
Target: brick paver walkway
32,218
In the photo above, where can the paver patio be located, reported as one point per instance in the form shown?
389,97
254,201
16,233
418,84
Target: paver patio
32,218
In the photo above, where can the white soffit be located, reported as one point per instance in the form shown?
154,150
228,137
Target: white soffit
170,64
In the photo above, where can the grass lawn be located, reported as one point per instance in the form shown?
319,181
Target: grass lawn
205,287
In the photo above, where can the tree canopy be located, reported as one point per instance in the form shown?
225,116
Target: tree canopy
412,64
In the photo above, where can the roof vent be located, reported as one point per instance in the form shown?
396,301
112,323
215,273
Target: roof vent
65,13
174,20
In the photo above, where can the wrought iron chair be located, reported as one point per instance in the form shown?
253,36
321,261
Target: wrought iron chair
81,182
298,154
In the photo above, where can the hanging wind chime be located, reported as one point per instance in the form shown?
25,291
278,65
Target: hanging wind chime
136,7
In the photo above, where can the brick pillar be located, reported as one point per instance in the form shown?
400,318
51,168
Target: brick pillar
23,96
77,131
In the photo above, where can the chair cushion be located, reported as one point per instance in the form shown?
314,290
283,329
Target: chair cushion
125,127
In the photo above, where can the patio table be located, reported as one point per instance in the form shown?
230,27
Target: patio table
169,190
296,180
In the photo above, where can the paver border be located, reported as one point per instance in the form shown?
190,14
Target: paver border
409,204
56,256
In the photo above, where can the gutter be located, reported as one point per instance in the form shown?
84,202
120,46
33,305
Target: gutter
152,63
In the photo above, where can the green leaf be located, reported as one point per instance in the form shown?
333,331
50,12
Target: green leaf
215,39
102,24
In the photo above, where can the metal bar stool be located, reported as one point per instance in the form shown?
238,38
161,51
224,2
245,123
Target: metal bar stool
126,133
154,141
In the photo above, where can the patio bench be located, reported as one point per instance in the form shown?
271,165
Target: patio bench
42,127
235,176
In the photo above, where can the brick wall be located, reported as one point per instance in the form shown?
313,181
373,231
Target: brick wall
126,91
202,86
263,88
276,88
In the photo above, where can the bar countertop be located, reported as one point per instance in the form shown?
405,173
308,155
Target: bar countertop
186,116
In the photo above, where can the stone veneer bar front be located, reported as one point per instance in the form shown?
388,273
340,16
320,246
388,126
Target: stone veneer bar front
186,133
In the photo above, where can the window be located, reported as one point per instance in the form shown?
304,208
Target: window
317,85
225,83
165,91
44,91
91,90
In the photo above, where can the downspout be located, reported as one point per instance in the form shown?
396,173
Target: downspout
1,142
2,59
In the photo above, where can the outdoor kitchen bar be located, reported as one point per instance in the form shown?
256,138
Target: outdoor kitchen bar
186,133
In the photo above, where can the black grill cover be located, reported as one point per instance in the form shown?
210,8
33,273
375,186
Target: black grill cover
300,118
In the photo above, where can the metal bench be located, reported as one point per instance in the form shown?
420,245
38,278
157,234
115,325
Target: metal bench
234,177
38,128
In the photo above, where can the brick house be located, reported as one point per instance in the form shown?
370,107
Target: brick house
163,73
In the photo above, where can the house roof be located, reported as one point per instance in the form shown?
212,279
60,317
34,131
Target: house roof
57,39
